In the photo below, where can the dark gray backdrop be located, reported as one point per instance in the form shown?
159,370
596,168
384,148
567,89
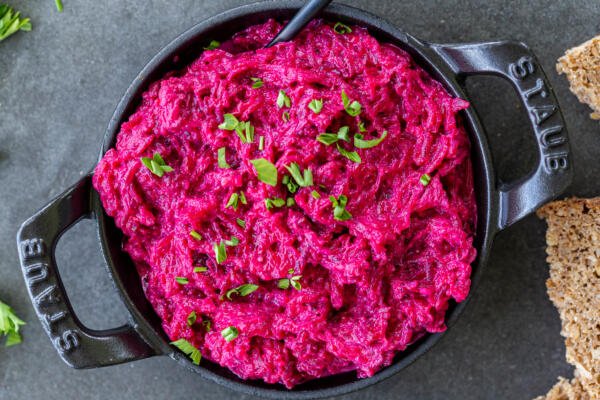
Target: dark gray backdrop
59,85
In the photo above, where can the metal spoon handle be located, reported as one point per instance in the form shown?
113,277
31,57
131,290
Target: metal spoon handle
299,21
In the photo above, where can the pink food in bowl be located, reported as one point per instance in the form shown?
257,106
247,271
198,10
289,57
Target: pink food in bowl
327,271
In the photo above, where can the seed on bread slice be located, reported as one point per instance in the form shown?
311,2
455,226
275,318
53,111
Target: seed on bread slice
581,64
573,248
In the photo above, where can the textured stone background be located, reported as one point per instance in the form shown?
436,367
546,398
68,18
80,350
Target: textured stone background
59,85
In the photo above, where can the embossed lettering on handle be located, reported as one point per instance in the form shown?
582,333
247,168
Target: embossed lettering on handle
515,62
77,345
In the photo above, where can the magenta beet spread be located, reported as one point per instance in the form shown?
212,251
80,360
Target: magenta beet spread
339,288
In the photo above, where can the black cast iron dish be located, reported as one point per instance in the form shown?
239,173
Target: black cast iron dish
499,204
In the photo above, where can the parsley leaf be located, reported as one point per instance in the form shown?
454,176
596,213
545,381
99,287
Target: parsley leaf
230,333
283,100
232,242
10,22
266,171
425,179
293,281
316,105
367,144
276,202
339,208
213,45
191,318
353,108
9,325
233,201
257,83
285,116
350,155
221,159
241,223
242,290
283,283
156,165
331,138
189,350
230,122
305,180
341,29
220,252
315,195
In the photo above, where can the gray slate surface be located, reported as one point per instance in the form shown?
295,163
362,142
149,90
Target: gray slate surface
58,87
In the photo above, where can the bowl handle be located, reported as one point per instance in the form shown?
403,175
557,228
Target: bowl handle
515,62
77,345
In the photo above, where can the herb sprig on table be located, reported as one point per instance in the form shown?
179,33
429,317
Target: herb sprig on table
9,325
11,22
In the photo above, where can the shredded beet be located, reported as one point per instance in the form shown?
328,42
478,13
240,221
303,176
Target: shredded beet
370,285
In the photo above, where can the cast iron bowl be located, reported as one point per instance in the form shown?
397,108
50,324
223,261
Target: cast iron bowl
499,204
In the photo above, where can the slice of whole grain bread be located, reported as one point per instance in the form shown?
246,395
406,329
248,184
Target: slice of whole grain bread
581,64
565,390
573,248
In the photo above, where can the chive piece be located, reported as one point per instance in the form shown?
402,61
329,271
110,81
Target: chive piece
200,269
261,143
59,5
230,122
241,223
243,198
266,171
302,180
242,290
315,194
316,105
360,143
276,202
232,242
249,130
189,350
230,333
283,283
221,159
294,282
285,116
339,208
341,29
352,108
220,252
290,202
195,235
213,45
181,280
327,138
257,83
233,201
350,155
156,165
283,100
425,179
191,318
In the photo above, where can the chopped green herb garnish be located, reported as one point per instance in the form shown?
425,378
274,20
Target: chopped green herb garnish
316,105
232,242
242,290
265,171
261,143
249,131
11,22
285,116
315,194
290,184
241,223
195,235
293,281
230,122
283,283
9,325
283,100
221,159
353,108
257,83
188,349
200,269
156,165
342,29
339,208
243,198
290,202
181,280
344,134
191,318
230,333
361,127
305,180
276,202
233,201
331,138
367,144
425,179
350,155
220,252
212,45
206,324
59,5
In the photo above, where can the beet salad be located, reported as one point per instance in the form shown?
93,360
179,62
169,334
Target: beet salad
297,211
